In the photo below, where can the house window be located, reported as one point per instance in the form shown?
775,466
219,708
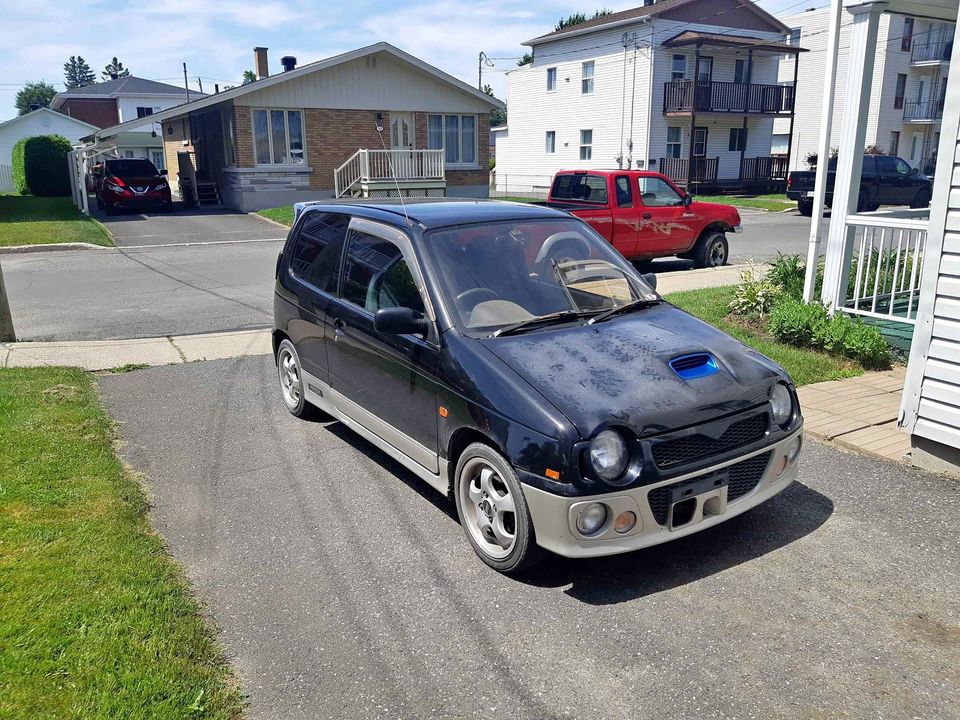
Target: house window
679,68
738,139
900,92
278,137
793,37
551,143
780,144
551,79
895,143
740,72
705,70
586,75
586,144
156,157
700,135
456,135
674,142
144,111
906,39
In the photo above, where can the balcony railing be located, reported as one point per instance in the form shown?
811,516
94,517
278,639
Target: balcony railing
763,168
684,96
369,166
707,170
703,170
931,52
927,110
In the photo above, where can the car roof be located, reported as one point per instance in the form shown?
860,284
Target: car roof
437,212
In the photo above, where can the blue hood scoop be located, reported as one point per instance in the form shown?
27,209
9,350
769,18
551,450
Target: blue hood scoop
693,367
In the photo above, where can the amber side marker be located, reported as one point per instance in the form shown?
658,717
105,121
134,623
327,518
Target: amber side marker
443,411
553,474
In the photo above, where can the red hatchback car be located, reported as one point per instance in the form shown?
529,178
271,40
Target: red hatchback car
134,185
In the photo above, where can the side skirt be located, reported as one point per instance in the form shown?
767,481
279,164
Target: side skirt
328,400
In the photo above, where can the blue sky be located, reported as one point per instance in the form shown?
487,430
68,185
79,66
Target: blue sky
216,38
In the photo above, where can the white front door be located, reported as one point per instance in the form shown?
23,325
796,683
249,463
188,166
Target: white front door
402,142
916,149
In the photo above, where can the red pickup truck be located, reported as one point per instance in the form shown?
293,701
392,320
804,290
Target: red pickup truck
645,216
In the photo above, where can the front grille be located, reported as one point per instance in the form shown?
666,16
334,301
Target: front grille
698,447
743,479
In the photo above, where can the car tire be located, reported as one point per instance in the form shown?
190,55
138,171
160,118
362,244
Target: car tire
291,381
805,207
921,199
711,250
490,504
167,207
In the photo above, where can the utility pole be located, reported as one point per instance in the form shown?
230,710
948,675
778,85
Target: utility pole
186,83
6,322
481,61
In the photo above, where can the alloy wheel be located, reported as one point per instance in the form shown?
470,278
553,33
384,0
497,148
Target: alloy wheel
489,511
290,383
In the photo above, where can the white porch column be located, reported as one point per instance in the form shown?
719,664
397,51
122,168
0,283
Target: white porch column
823,149
853,136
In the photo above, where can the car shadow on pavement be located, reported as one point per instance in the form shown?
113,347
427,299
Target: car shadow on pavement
788,517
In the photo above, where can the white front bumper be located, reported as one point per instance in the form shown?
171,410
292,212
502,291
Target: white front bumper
554,516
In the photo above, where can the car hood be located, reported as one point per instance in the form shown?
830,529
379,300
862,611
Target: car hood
727,213
139,180
618,372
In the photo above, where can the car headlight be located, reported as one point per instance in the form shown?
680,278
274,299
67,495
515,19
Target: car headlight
161,186
609,455
115,188
781,402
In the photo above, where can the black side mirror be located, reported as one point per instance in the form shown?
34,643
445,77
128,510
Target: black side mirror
650,279
687,200
400,321
914,171
163,172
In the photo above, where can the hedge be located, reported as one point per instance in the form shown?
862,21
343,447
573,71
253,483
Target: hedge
40,166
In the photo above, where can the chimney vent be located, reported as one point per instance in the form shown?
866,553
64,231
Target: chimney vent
289,62
260,62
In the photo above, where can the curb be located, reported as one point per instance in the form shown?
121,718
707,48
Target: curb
268,220
53,247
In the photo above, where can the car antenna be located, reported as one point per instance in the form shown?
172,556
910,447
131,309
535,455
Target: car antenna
393,174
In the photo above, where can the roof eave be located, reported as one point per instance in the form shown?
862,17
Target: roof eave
575,31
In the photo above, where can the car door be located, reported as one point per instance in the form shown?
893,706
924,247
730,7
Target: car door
896,181
308,281
666,226
386,383
625,212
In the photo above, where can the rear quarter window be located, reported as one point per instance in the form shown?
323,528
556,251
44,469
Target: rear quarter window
580,188
317,250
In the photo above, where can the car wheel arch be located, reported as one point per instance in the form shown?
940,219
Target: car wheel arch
460,440
277,337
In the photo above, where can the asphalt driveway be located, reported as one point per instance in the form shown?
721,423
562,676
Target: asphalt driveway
343,588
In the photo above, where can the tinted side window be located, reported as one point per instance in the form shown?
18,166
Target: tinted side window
585,188
624,193
376,275
318,248
888,165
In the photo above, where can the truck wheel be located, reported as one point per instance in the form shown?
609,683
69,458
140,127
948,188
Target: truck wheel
921,199
805,207
711,250
493,512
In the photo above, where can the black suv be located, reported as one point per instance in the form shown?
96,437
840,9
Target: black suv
508,355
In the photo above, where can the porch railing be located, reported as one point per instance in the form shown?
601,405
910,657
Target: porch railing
763,168
925,110
939,51
726,97
703,170
886,264
366,166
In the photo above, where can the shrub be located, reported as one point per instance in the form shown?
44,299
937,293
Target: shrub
808,325
40,166
832,335
755,297
788,272
797,323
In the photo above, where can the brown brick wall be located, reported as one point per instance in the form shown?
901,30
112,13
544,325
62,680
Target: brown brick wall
334,135
100,112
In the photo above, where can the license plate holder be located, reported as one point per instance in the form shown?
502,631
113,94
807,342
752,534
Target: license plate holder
811,193
693,501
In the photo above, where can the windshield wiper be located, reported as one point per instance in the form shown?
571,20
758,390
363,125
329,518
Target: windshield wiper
628,307
551,319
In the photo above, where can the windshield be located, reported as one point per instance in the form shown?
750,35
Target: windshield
496,275
131,168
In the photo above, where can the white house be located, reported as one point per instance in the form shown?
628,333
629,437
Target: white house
31,124
685,87
912,58
904,265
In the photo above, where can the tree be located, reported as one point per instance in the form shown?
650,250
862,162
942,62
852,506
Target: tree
248,77
34,93
498,117
77,73
578,18
114,68
526,59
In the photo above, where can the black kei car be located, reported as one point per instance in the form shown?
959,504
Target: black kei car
507,355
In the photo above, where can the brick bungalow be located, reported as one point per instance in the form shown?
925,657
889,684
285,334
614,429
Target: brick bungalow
367,122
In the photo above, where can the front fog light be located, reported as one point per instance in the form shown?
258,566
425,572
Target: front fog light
625,522
793,451
591,518
781,403
608,455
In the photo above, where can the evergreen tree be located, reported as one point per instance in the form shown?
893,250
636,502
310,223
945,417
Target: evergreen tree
578,18
34,93
114,67
77,73
498,117
248,77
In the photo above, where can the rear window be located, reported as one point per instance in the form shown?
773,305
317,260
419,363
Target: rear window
581,188
317,250
131,168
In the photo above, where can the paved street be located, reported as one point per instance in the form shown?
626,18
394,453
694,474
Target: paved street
154,291
343,587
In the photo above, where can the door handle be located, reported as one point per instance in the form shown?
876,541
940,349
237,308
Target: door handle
648,216
339,329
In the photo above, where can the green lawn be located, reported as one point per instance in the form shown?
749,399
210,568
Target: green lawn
773,203
282,215
96,621
29,220
804,366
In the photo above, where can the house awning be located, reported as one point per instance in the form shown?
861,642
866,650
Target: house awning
689,37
